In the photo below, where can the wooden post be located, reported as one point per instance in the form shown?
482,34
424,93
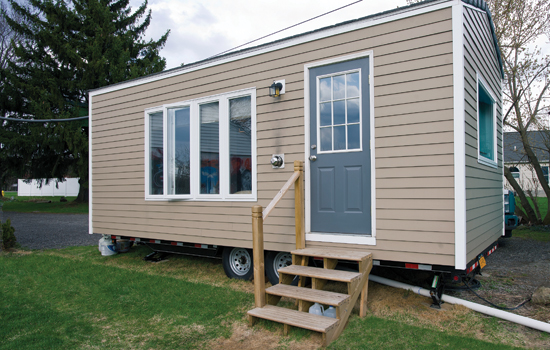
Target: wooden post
299,205
258,252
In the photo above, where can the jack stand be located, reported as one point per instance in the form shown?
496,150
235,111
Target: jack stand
155,256
436,291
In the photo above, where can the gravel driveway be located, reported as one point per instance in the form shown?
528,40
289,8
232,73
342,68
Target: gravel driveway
44,231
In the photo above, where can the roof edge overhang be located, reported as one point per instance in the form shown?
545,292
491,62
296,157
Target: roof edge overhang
347,26
482,5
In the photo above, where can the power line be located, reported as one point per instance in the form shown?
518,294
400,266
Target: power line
42,120
292,26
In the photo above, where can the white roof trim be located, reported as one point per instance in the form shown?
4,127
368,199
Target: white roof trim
331,31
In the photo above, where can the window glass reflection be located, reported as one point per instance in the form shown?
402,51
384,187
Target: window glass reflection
326,139
339,137
209,148
339,112
240,146
156,153
352,85
353,110
339,86
325,113
325,89
179,164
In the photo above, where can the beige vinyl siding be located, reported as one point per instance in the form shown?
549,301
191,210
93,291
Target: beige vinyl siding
484,197
413,137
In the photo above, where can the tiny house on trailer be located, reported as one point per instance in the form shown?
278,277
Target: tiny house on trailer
397,117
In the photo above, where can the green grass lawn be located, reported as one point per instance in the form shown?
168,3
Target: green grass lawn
542,203
76,299
25,204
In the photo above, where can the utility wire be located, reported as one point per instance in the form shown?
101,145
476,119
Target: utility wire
292,26
42,120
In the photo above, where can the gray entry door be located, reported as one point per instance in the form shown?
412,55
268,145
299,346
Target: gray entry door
340,148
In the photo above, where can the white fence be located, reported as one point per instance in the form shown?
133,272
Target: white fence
69,187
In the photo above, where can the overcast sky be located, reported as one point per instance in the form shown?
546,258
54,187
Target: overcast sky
200,29
203,28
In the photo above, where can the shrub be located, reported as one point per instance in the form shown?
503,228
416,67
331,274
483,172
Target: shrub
8,236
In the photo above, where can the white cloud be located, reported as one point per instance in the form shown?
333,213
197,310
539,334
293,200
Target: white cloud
200,29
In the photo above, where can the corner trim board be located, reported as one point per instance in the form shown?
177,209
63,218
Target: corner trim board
459,137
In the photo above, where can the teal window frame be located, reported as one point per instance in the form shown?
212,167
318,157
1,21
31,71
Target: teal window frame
486,124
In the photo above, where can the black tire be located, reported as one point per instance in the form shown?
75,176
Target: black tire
273,262
507,233
238,263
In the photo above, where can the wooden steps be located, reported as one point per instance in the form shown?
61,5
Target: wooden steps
340,254
308,294
315,272
331,328
295,318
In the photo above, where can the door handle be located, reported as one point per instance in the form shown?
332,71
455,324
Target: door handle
313,158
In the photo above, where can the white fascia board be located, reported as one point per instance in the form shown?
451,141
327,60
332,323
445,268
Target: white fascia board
90,172
459,137
339,29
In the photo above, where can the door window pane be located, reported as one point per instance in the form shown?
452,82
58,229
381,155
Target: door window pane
240,146
352,85
326,139
179,164
339,108
325,89
156,153
339,137
209,148
339,112
326,114
353,110
339,86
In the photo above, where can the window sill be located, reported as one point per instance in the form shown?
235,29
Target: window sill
487,161
202,199
341,238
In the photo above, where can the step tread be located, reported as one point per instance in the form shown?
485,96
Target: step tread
295,318
313,295
315,272
340,254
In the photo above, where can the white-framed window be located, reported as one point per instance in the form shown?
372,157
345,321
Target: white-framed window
202,149
486,124
515,172
339,116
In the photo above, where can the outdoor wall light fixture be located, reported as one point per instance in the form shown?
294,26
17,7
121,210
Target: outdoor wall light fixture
277,88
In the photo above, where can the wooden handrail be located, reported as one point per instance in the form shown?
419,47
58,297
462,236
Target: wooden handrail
258,217
280,195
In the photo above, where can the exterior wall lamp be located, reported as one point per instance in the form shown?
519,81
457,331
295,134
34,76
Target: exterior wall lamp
277,88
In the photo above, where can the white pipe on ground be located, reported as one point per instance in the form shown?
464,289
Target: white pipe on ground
508,316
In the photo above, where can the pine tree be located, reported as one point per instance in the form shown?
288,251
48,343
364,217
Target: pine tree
69,47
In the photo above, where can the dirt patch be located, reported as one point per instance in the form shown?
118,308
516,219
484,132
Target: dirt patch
245,337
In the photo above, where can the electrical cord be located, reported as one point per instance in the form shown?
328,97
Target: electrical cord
496,306
472,283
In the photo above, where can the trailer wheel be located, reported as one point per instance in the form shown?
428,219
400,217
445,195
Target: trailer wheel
238,263
273,262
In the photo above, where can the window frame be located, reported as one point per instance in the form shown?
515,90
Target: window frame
194,141
480,158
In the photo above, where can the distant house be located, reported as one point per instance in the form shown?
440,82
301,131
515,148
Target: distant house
518,162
